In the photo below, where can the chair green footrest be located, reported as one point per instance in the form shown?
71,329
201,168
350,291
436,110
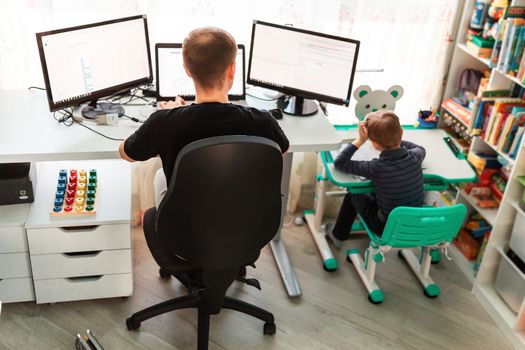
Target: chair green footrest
352,251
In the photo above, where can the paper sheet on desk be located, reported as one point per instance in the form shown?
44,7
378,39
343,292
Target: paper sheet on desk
365,152
341,115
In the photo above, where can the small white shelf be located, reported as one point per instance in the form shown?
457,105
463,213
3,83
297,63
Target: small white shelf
504,155
466,266
511,78
455,116
485,61
488,296
489,214
515,203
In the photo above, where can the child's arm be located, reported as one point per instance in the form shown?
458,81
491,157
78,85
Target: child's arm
344,163
418,151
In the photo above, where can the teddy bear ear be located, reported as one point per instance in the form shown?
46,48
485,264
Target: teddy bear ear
362,91
396,91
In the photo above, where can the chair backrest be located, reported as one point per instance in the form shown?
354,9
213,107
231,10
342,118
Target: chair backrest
415,227
223,202
223,205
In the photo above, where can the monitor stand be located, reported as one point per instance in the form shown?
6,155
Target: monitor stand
94,109
297,106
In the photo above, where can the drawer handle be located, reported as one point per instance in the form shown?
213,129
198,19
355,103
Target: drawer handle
79,228
91,253
84,278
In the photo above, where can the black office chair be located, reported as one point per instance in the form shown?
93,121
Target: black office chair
222,207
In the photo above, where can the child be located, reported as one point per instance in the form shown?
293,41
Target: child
397,175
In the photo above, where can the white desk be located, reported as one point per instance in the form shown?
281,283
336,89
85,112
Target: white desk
29,133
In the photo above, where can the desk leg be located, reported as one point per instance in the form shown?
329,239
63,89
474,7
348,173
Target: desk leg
314,219
277,245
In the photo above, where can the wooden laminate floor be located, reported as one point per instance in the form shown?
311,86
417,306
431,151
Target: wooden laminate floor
332,313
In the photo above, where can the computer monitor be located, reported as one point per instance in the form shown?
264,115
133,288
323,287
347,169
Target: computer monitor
303,64
172,80
90,62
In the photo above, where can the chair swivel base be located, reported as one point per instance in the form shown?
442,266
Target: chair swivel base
194,301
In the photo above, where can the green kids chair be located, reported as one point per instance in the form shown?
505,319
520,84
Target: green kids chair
406,228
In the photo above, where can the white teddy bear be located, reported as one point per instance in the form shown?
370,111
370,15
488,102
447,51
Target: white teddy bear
371,101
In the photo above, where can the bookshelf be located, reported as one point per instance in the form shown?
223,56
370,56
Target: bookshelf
501,219
463,47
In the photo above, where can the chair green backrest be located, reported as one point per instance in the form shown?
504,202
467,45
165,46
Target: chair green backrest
415,227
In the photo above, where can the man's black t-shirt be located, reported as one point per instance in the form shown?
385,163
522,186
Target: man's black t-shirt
166,132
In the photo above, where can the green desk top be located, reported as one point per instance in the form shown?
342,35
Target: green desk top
440,167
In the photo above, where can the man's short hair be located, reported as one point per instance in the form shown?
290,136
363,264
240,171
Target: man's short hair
207,53
384,129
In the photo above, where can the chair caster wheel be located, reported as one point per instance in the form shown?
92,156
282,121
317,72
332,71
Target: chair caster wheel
269,328
132,325
163,274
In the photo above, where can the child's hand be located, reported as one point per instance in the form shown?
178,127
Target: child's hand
362,136
171,104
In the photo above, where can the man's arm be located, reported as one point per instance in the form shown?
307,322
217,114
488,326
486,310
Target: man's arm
142,144
277,135
123,154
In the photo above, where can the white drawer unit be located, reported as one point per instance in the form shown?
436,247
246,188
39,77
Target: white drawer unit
13,239
103,262
78,238
16,282
82,288
16,290
82,257
14,265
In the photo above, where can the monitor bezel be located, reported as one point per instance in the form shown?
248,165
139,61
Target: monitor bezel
231,97
98,94
298,92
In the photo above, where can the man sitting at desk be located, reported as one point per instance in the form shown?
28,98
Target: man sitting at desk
209,59
397,176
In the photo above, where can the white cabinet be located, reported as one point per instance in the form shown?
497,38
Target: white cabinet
82,257
16,283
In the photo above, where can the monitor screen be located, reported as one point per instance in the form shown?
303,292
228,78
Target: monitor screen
173,81
302,63
93,61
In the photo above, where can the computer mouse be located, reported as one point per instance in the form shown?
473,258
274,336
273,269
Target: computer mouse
276,113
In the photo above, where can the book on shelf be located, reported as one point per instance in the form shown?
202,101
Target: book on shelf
514,148
481,252
518,52
521,68
505,132
508,42
502,108
478,51
512,16
460,112
515,28
515,121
